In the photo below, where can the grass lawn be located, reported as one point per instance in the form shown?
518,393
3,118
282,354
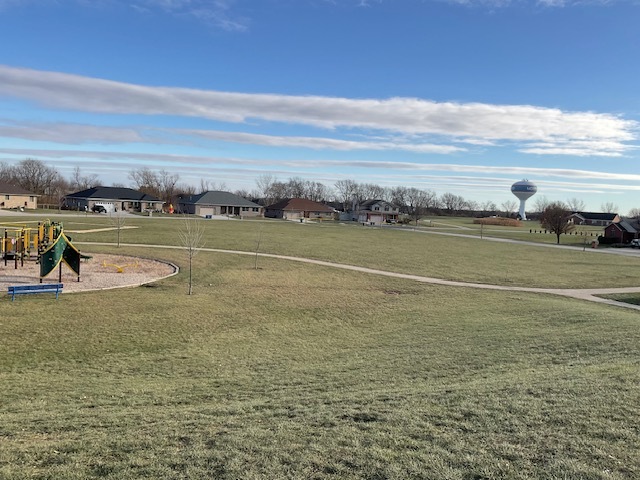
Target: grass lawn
300,371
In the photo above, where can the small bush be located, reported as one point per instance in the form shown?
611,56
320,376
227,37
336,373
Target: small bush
502,221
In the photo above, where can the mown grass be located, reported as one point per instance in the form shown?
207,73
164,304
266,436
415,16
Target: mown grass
632,298
297,371
400,250
300,371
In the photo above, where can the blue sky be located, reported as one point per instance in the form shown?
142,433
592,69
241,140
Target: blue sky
464,97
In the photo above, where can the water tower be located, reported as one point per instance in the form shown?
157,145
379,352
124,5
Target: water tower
523,190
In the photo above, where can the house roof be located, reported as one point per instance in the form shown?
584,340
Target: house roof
114,193
218,198
596,215
10,189
625,226
300,204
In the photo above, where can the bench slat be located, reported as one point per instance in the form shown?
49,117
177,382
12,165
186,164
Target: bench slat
14,290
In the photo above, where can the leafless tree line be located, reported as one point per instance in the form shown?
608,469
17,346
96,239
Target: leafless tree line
37,177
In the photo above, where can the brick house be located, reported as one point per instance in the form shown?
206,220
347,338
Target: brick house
299,208
12,196
593,218
623,231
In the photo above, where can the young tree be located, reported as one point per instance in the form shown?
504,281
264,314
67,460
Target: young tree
192,239
117,220
555,219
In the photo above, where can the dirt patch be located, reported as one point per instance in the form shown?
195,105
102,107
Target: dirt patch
101,272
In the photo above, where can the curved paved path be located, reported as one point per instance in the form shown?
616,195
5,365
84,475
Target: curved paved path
579,293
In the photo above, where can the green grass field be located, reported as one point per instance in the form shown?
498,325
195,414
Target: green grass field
302,371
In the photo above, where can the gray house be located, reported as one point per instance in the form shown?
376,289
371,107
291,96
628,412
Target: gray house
218,203
377,212
113,199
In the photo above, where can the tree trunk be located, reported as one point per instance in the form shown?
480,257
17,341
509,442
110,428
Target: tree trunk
190,277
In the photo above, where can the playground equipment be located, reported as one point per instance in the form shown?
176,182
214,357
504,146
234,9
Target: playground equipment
120,268
47,240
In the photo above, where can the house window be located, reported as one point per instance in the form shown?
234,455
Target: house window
7,197
32,199
245,209
376,208
386,209
255,209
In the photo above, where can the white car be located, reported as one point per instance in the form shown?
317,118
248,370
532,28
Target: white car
635,243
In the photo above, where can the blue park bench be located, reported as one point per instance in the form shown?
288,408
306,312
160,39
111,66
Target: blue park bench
39,288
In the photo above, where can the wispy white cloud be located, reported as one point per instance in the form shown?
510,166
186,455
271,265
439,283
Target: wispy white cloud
69,133
473,122
219,14
78,134
319,143
184,161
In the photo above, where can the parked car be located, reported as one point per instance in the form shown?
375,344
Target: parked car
635,243
99,209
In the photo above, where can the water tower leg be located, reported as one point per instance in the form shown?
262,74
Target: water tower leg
523,216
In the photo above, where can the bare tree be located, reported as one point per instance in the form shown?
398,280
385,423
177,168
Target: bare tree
35,176
417,203
452,203
489,207
185,189
555,219
509,206
244,193
541,203
345,191
258,240
204,185
576,205
609,207
79,182
635,214
264,184
145,180
192,239
398,197
6,172
167,185
117,220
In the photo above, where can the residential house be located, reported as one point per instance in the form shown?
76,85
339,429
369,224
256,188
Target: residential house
208,204
377,212
593,218
299,209
623,231
12,196
113,199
